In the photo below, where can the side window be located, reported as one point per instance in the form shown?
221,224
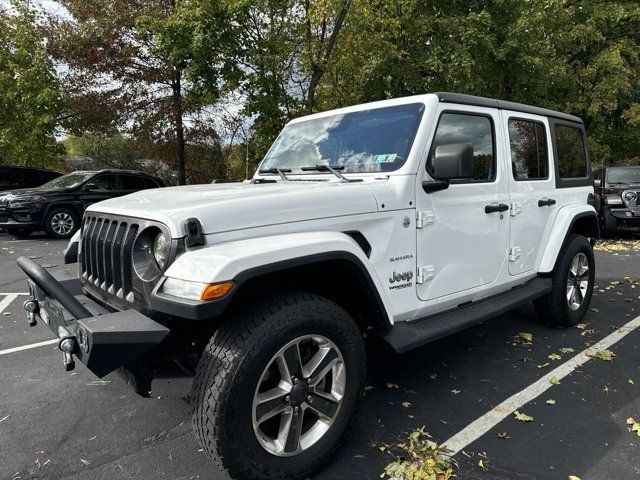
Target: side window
572,161
132,182
476,130
106,182
150,183
10,178
529,158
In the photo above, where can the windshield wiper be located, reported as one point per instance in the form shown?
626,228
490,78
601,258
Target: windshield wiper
276,171
334,170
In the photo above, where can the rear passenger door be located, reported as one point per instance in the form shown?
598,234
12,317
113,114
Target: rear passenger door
531,187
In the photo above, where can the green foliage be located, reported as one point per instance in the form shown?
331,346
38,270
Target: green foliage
30,101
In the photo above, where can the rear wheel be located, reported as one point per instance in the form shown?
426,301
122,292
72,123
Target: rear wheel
277,387
61,223
19,232
573,279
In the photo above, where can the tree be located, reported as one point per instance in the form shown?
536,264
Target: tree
129,67
30,100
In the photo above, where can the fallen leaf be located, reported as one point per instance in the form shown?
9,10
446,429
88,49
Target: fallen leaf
523,417
433,376
606,355
554,356
406,404
581,326
567,350
455,392
523,338
543,365
503,435
551,401
85,462
573,477
630,381
391,385
4,418
554,380
481,465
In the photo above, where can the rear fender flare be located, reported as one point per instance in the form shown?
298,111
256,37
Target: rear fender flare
566,221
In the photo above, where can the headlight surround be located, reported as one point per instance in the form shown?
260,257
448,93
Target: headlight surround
151,253
161,250
630,196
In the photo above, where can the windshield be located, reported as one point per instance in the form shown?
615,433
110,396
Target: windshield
623,175
376,140
69,180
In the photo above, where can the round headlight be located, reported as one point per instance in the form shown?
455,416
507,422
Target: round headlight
630,196
161,250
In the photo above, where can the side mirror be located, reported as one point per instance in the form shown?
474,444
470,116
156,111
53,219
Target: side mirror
449,162
91,187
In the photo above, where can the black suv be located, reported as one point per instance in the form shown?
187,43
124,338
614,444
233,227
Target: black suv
57,206
24,177
620,195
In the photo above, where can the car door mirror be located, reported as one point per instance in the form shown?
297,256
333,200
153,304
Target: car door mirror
449,162
91,187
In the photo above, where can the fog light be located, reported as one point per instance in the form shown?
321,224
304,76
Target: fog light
629,214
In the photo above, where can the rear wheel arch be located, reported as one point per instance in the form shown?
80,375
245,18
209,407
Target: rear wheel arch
337,276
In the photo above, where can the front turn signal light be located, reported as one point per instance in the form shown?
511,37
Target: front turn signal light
216,290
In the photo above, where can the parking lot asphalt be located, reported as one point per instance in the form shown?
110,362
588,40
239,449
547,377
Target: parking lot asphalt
56,424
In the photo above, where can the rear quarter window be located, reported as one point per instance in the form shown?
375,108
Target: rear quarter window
570,147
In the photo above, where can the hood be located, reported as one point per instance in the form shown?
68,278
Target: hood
23,192
618,188
225,207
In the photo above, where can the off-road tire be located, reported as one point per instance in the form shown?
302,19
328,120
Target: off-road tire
49,228
609,224
19,232
553,308
230,369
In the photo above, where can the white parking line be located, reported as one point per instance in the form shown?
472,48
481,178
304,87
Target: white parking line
490,419
27,347
9,297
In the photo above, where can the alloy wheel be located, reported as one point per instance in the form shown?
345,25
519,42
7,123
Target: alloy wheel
62,223
299,395
577,281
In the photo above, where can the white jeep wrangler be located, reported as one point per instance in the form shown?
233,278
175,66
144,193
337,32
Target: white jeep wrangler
409,219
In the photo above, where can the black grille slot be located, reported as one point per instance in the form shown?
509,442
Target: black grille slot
107,246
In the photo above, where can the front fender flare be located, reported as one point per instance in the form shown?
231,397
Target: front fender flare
563,224
243,260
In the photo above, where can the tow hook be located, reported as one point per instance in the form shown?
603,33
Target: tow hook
67,345
31,306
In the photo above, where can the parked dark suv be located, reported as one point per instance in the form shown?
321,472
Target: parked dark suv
620,194
57,206
24,177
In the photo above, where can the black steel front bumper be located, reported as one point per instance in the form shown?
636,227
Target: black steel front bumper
101,339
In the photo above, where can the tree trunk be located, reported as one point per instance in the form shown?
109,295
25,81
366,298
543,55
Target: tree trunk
179,126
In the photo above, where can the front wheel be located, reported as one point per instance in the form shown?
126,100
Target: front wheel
573,279
61,223
277,387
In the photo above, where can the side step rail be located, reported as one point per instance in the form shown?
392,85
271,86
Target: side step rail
406,336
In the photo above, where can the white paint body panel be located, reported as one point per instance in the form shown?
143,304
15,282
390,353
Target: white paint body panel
247,225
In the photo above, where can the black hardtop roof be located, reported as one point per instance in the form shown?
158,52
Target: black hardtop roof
504,105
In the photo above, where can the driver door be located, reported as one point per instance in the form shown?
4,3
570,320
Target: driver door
462,246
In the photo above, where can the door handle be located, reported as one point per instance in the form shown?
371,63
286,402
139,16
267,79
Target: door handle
496,207
546,202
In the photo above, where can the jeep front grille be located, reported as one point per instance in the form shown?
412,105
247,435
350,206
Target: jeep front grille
106,255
